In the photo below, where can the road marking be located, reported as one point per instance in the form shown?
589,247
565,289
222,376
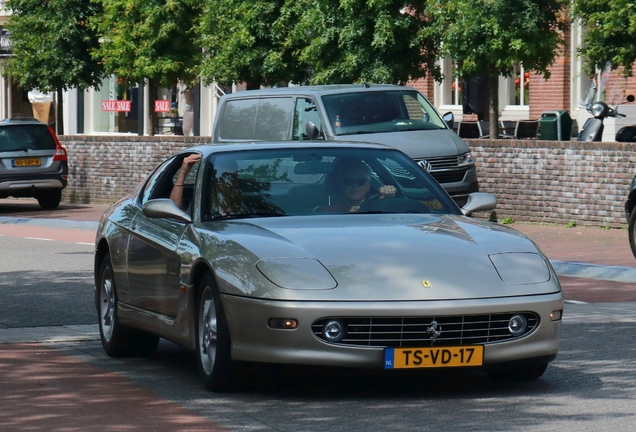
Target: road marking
38,238
575,302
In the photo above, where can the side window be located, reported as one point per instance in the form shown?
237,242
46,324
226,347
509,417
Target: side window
153,181
273,119
306,110
162,181
238,119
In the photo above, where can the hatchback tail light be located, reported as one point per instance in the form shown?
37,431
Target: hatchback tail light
60,152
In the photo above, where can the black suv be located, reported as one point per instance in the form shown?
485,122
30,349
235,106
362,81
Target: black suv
32,162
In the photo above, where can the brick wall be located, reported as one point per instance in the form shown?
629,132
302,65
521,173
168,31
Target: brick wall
536,181
557,181
103,169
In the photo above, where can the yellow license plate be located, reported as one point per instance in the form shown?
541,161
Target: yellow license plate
26,162
433,357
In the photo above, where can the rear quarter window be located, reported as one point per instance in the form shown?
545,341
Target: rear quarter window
260,119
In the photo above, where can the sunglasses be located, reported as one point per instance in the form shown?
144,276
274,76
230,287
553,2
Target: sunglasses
360,181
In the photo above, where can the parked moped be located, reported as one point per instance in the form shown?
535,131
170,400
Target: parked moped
627,133
593,128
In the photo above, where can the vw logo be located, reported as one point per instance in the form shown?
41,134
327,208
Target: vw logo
425,164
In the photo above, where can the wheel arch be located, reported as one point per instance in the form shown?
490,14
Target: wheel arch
630,204
101,250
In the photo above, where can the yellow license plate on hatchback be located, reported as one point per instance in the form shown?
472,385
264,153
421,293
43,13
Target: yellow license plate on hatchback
26,162
433,357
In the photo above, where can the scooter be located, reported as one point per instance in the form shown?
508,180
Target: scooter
593,127
627,133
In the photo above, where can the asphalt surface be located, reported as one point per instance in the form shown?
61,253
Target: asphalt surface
58,378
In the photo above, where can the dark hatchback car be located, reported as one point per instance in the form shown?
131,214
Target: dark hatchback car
32,162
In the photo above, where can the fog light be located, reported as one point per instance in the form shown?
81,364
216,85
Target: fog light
556,315
333,331
517,325
282,323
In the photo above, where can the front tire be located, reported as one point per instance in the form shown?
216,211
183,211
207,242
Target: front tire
49,200
213,337
117,340
632,231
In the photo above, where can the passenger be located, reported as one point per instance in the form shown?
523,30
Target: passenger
354,181
177,190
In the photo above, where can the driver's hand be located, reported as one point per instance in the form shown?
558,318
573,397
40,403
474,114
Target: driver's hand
387,191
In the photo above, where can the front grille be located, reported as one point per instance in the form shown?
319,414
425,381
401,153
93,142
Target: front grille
446,169
414,332
449,176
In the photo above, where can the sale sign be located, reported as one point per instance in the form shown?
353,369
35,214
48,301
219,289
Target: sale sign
162,105
116,105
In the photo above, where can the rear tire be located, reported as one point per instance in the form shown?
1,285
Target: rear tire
49,199
632,231
520,373
213,351
117,340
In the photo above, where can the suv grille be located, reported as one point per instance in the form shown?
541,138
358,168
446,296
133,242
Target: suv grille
412,332
446,169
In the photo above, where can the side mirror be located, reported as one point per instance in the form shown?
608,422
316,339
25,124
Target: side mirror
449,118
164,208
479,201
311,131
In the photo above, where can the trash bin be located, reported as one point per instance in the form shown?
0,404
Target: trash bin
555,125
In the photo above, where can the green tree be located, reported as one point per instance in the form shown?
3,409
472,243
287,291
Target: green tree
346,41
51,43
316,41
610,33
488,37
149,39
241,44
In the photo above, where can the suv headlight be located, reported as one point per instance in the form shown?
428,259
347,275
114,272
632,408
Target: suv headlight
465,159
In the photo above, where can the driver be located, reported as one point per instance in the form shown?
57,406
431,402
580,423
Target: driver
354,180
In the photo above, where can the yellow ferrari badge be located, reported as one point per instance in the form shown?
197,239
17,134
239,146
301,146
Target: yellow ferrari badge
426,284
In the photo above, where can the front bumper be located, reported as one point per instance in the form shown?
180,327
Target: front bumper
253,340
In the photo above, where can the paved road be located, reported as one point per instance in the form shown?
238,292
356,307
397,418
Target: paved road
68,383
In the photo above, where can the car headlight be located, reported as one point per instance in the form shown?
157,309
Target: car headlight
297,273
521,268
465,159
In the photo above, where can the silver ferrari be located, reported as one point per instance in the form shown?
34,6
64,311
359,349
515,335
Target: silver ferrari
346,254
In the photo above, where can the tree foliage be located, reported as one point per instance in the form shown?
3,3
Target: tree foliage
347,41
316,41
610,32
151,39
52,42
241,45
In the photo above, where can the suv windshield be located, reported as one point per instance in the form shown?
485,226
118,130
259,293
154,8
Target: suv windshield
26,137
380,111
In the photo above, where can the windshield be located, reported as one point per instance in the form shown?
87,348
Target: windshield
309,181
380,111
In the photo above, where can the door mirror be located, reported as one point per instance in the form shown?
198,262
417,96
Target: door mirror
479,201
311,131
449,118
164,208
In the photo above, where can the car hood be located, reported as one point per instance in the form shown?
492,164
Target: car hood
417,144
378,258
